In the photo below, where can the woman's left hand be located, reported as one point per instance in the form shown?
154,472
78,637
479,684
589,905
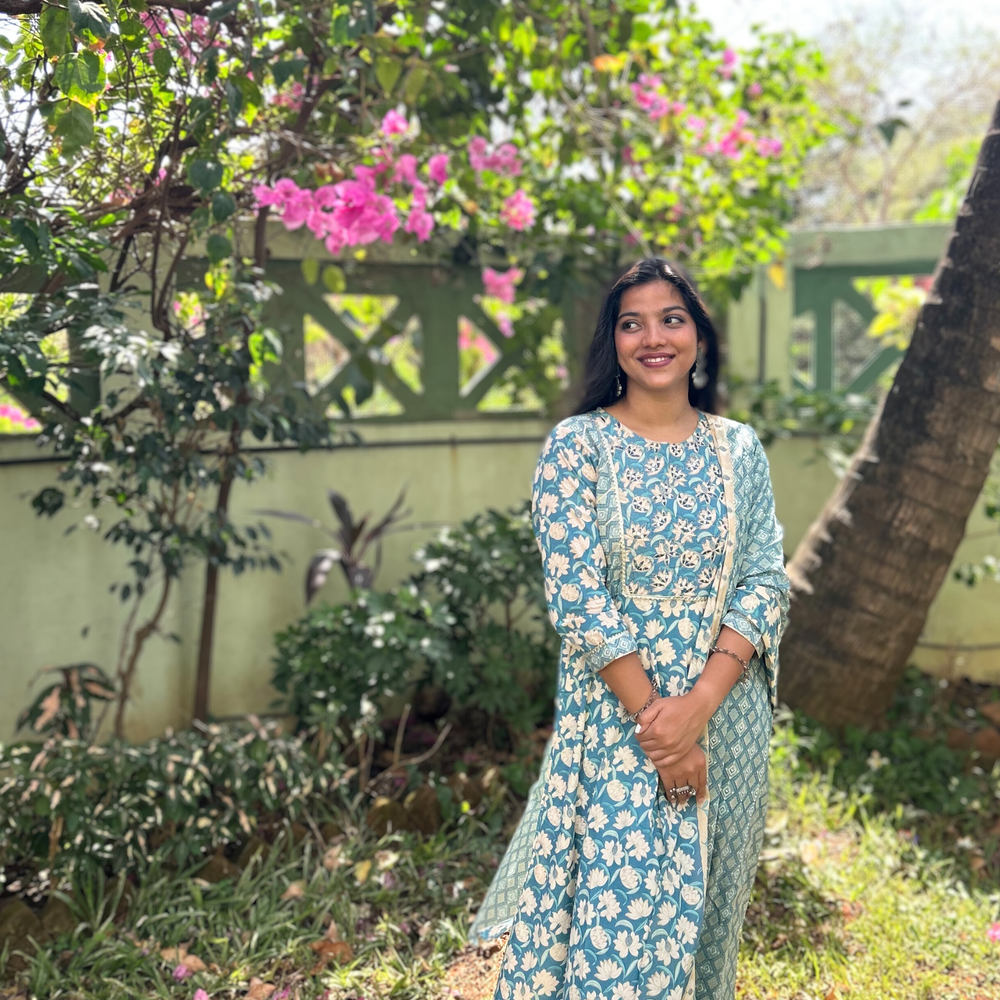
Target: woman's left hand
668,729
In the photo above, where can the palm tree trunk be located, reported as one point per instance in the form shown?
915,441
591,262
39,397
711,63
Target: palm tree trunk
867,571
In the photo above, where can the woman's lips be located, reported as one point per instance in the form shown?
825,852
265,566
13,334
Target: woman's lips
656,360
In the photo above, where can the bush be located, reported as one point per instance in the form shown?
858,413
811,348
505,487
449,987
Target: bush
504,652
67,808
336,658
472,621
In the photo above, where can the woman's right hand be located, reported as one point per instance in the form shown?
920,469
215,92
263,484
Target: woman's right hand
692,769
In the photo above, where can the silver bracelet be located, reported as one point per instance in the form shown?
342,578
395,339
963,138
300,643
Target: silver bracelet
634,716
744,664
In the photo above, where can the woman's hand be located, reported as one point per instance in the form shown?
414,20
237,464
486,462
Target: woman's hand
667,730
691,771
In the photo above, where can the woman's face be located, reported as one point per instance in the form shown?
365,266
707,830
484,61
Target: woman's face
656,338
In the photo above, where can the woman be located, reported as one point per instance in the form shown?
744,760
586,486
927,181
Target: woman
630,873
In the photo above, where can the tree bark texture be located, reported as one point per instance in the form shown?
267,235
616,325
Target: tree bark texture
867,571
206,638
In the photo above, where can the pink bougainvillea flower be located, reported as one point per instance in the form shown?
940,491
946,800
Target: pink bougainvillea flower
500,285
647,96
696,124
505,326
421,224
200,994
755,89
181,972
769,147
993,933
503,161
394,123
291,98
406,169
437,168
728,63
19,418
518,211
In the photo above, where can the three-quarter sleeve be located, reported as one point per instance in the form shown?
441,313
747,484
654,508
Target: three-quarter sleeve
564,515
757,603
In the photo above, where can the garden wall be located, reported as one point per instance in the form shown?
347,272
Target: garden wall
55,607
55,586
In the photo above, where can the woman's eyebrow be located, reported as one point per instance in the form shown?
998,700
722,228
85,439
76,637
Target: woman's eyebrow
665,309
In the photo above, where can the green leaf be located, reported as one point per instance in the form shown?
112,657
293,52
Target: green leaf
234,100
310,270
338,32
162,62
54,25
223,10
414,84
223,206
284,69
206,175
133,33
333,279
218,248
80,76
89,16
890,127
75,126
525,37
387,71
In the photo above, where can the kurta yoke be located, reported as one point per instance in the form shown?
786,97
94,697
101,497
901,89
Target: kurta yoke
647,547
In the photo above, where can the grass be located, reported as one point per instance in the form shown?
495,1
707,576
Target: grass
848,904
862,893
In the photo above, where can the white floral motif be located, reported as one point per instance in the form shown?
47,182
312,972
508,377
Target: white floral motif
619,908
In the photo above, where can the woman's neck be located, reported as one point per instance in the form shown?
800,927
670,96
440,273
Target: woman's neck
665,417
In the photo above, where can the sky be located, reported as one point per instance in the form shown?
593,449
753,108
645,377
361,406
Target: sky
733,18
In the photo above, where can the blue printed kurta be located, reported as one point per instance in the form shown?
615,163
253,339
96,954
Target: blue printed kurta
610,891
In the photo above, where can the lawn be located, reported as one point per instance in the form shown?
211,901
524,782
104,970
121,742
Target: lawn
857,897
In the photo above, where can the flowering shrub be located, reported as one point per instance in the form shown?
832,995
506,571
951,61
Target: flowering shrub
351,654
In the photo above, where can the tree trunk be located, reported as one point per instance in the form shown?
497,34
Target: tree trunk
867,571
207,637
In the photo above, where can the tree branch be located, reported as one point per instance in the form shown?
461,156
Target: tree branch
20,8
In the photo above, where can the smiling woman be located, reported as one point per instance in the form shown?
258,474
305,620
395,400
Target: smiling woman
630,872
652,321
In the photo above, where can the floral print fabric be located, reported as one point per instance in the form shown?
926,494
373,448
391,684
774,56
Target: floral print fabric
637,542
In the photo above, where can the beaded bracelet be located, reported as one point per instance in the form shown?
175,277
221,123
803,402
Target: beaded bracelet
744,664
634,716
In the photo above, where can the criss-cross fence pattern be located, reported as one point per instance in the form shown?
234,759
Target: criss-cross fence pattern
805,322
414,336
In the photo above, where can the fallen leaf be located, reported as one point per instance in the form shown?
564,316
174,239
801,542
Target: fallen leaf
295,891
259,990
810,851
332,932
327,951
361,871
334,858
180,956
386,859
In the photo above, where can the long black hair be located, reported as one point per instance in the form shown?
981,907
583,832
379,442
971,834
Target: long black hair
604,375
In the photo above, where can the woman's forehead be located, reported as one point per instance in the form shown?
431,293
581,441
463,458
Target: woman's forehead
651,297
